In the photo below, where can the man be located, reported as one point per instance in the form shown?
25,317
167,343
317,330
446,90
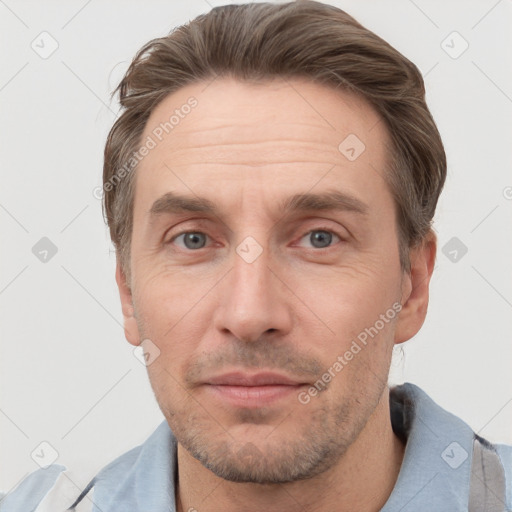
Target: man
270,188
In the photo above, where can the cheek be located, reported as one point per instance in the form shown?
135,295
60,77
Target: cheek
169,308
169,394
352,298
167,297
359,307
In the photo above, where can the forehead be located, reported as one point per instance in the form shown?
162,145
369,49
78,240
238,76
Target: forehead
213,136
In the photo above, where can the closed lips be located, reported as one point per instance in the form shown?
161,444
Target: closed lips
259,379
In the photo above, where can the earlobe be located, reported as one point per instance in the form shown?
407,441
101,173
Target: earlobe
131,329
415,289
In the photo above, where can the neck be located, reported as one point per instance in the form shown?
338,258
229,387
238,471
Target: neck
361,480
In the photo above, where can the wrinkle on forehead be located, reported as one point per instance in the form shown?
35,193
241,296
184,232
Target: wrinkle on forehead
271,119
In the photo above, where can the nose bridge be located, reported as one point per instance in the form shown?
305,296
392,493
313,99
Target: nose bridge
251,287
252,300
251,272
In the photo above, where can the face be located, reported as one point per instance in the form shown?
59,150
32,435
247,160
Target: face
265,274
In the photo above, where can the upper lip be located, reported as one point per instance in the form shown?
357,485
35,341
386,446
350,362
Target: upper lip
257,379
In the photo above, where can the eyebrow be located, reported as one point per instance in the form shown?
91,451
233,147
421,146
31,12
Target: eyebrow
329,200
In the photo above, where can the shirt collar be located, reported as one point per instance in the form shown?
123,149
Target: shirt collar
435,472
142,479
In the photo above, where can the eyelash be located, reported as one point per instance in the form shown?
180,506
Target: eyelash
324,229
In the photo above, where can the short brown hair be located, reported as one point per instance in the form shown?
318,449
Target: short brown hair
301,39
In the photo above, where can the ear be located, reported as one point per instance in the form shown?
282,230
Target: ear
415,289
131,329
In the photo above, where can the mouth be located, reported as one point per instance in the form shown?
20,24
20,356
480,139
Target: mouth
252,391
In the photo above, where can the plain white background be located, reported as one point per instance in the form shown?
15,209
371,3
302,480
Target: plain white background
68,377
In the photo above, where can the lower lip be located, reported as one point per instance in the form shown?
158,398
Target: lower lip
253,396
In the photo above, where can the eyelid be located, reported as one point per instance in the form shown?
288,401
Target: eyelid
196,226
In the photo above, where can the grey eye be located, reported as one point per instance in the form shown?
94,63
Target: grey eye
320,239
193,240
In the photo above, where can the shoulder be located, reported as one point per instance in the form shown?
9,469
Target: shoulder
504,455
57,488
28,494
444,445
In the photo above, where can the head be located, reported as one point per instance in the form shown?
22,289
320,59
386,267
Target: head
270,195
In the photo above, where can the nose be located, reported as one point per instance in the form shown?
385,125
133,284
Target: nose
254,300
